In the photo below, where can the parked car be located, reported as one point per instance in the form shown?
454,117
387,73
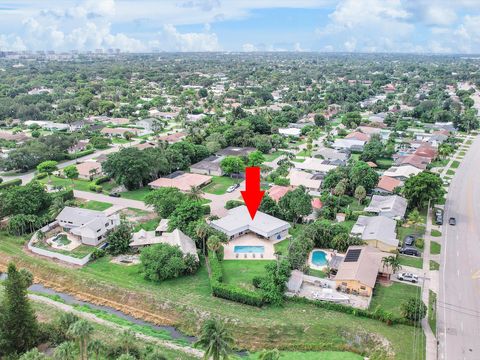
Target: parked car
409,240
439,219
406,250
408,277
233,188
452,221
114,194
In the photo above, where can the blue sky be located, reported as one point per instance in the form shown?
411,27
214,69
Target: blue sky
423,26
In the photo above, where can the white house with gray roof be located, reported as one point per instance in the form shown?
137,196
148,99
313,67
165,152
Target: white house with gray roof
90,226
378,231
238,222
392,206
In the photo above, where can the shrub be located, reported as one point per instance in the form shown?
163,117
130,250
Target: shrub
419,243
97,254
40,176
206,209
414,309
7,184
80,154
96,188
230,204
101,180
281,181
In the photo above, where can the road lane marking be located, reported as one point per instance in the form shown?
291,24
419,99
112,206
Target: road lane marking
458,273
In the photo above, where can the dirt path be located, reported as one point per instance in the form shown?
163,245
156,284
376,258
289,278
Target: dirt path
92,317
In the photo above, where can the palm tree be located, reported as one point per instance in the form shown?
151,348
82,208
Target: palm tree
269,355
214,243
57,205
202,230
128,340
65,351
97,347
415,218
215,338
195,193
81,331
392,262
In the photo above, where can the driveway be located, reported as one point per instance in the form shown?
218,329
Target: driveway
119,203
218,202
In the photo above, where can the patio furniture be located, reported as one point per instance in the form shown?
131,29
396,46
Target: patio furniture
253,256
236,255
245,256
261,255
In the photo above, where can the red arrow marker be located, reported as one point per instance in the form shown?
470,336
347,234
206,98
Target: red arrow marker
252,194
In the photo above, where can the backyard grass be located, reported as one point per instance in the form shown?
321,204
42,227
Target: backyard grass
117,140
138,194
432,311
242,272
149,225
282,246
384,163
273,156
434,265
219,185
435,248
413,261
317,273
79,252
188,299
435,233
96,205
390,298
455,164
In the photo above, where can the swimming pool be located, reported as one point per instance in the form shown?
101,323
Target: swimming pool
248,249
319,258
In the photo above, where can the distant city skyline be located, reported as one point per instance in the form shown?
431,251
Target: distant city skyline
405,26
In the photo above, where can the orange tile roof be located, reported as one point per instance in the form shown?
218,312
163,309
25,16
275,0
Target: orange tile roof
388,183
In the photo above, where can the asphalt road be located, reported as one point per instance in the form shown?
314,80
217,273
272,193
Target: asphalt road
458,305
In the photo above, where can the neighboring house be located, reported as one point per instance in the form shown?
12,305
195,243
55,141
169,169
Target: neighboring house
377,231
172,138
402,172
349,144
89,226
81,145
276,192
419,162
235,151
180,180
109,120
238,222
48,125
387,185
119,131
208,166
331,154
149,125
162,236
18,137
359,270
89,170
427,150
312,182
290,132
315,165
392,206
145,145
357,135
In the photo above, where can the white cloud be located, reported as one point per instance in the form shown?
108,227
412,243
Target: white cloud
249,47
171,39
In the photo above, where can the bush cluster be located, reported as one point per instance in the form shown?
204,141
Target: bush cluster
79,154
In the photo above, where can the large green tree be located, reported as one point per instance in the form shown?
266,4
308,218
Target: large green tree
129,167
119,239
216,340
18,323
29,199
296,204
165,200
232,165
421,188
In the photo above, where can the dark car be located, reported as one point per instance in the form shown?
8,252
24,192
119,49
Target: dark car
409,251
452,221
114,194
409,240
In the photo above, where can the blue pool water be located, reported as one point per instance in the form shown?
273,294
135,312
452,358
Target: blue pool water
240,249
319,258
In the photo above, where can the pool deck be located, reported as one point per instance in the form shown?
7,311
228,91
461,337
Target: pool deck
329,255
249,239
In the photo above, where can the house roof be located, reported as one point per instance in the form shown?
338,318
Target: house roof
174,238
314,164
404,171
119,131
5,135
235,151
302,178
393,206
364,268
87,166
426,151
348,143
317,203
388,183
331,154
172,138
211,163
357,135
276,192
183,182
238,219
419,162
379,228
295,281
80,215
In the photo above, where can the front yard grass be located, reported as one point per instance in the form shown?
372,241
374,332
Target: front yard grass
435,233
434,265
450,172
82,185
96,205
435,248
187,299
455,164
273,156
137,194
219,185
413,261
390,298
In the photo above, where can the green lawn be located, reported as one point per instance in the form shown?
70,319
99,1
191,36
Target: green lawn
273,156
435,248
432,310
450,172
149,225
187,300
298,160
355,157
82,185
138,194
455,164
462,153
434,265
242,272
384,163
219,185
435,233
282,246
412,261
323,355
403,232
79,252
317,273
96,205
390,298
119,140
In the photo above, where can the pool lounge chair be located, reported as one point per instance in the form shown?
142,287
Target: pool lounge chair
236,255
253,255
245,256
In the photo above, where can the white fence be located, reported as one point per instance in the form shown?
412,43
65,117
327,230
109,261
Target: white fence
55,255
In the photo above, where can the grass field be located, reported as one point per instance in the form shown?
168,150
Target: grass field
384,163
282,246
149,225
82,185
455,164
403,231
435,248
188,300
273,156
96,205
435,233
219,185
138,194
432,310
412,261
450,172
390,298
242,272
434,265
323,355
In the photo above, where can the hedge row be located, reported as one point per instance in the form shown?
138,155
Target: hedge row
10,183
228,291
379,314
79,154
101,180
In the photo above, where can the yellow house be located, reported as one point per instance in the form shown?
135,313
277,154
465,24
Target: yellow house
358,271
